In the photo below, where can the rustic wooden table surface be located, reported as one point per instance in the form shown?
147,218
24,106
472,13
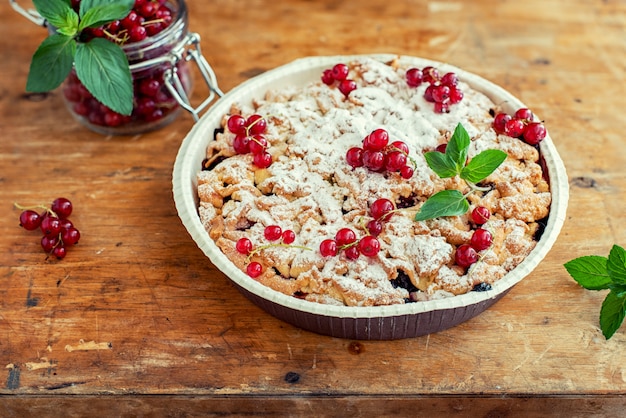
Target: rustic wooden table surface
136,322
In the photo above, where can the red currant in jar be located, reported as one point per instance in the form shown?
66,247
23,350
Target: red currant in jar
149,36
465,255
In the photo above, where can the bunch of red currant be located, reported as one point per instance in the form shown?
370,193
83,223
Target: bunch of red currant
381,210
59,232
378,155
443,91
521,125
467,254
339,75
249,138
272,233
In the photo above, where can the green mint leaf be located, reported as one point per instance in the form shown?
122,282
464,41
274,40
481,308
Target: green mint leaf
60,14
94,13
590,272
103,68
482,165
612,314
616,265
443,203
51,63
618,289
458,146
441,164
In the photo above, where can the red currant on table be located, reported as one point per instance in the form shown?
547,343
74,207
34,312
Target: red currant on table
57,229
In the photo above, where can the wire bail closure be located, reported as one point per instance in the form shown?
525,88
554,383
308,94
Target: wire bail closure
29,14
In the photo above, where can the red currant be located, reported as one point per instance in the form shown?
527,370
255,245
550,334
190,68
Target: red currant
258,144
430,74
374,160
369,246
456,95
340,72
345,236
288,237
48,243
382,209
70,236
347,86
59,251
374,227
243,246
62,207
400,146
256,124
534,133
465,255
449,79
428,93
236,124
480,215
524,114
327,77
406,172
273,232
30,220
514,128
241,144
254,269
352,253
481,239
376,141
441,93
395,160
50,226
442,148
500,121
262,160
328,248
414,77
354,157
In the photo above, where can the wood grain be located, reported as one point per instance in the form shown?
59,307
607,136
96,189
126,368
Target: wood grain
135,320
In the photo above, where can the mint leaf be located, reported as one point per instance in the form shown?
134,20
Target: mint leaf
443,203
51,63
616,265
103,68
96,13
618,289
590,272
441,164
60,14
458,146
482,165
612,314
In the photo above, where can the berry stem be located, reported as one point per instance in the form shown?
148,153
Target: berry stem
44,207
266,246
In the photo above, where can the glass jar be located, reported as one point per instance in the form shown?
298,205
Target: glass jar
161,74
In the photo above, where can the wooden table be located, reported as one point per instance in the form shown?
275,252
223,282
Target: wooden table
136,321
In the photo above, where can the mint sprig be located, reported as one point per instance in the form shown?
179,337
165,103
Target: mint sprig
101,65
600,273
454,163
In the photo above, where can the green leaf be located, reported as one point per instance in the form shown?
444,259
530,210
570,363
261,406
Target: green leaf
51,63
590,272
612,314
618,289
444,203
441,164
617,264
103,68
458,146
482,165
96,13
60,14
